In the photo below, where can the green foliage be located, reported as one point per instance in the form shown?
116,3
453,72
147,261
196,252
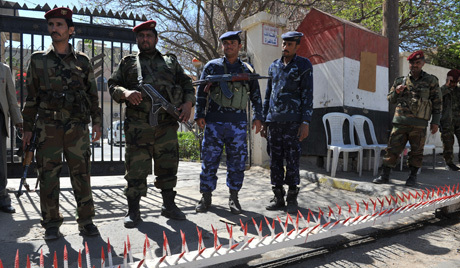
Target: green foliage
428,24
367,13
189,146
448,56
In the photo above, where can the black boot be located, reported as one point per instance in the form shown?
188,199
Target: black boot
384,176
453,167
233,202
133,216
204,203
277,202
291,200
169,208
412,180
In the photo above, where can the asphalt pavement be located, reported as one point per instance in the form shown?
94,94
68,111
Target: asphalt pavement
22,231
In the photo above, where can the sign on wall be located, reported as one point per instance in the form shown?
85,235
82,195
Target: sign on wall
368,71
270,35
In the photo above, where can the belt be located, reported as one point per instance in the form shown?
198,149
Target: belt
50,114
143,115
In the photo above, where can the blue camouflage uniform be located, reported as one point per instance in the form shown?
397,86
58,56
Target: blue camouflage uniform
288,103
224,126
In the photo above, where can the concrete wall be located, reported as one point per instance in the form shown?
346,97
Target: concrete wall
261,55
355,97
338,92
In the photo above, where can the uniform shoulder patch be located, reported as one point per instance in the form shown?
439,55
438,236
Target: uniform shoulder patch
435,78
171,55
37,54
82,56
248,66
170,59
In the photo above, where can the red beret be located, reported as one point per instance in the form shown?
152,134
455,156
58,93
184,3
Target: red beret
416,56
148,25
59,12
454,73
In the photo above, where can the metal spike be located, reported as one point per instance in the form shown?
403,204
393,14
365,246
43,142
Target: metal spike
102,258
184,242
109,253
125,256
200,238
55,261
129,251
42,260
66,257
88,258
79,259
16,259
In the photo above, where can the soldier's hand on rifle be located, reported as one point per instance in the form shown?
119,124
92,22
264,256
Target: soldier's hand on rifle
97,133
200,122
258,125
133,96
186,110
26,139
400,89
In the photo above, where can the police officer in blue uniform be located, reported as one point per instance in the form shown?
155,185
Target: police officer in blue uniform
288,107
225,121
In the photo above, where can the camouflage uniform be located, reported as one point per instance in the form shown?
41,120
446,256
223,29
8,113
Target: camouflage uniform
409,121
144,142
450,121
63,93
224,126
288,103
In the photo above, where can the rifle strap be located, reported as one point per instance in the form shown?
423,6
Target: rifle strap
139,70
140,79
45,73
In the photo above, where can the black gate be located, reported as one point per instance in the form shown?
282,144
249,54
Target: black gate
23,30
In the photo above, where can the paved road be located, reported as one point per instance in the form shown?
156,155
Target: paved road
319,190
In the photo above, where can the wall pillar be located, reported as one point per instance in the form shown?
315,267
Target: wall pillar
263,37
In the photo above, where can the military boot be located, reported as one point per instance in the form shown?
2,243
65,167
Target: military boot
412,180
133,216
384,176
277,201
204,203
169,208
291,200
233,202
453,167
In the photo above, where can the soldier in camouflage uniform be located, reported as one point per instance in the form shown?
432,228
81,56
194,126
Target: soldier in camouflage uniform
288,108
144,142
417,98
226,121
450,119
62,92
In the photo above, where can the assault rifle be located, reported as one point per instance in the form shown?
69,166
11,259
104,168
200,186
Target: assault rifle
29,155
222,79
158,102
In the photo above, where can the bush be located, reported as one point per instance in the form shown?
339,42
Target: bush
189,146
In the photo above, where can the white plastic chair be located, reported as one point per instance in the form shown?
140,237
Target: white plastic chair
358,123
337,144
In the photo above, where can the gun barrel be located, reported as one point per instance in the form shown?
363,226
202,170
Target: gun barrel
229,78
